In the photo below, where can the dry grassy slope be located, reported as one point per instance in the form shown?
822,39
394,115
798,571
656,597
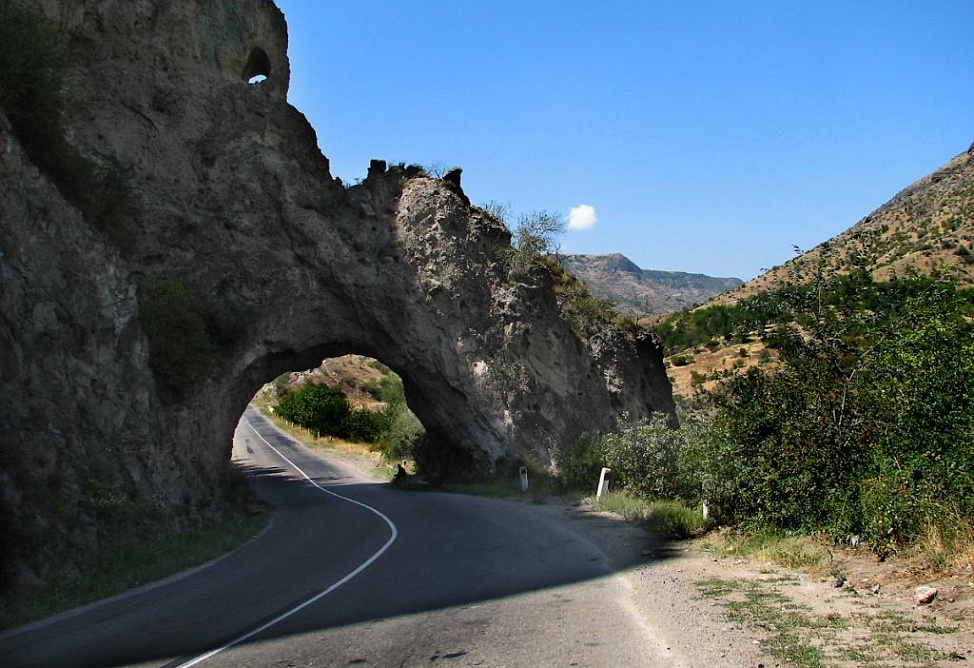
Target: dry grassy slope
709,366
356,376
927,226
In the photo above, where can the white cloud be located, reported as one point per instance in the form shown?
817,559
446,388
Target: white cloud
582,217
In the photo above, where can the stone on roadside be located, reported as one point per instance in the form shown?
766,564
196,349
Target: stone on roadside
924,595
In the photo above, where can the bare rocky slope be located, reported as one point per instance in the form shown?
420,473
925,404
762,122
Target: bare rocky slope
644,291
133,336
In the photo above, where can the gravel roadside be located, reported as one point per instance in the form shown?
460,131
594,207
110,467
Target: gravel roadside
713,611
781,617
663,589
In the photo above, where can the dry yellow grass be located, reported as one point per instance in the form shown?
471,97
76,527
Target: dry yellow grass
713,364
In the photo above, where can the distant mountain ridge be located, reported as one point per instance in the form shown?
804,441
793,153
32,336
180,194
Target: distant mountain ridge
646,291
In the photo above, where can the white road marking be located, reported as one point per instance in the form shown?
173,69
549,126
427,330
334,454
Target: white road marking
298,608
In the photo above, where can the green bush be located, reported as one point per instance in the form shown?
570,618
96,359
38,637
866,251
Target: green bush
325,411
391,392
867,426
320,409
889,513
644,456
580,466
788,461
402,436
365,426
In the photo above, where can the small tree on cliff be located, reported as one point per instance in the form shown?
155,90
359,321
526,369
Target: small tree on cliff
534,237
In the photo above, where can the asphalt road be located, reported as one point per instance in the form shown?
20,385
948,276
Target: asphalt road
354,572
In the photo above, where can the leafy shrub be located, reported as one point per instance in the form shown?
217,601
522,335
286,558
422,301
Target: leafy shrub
887,506
580,466
364,425
403,434
644,456
318,408
866,427
325,411
391,392
788,460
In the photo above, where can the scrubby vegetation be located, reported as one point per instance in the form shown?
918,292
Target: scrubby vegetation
863,431
534,251
326,411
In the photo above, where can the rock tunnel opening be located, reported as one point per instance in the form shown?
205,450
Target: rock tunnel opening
353,402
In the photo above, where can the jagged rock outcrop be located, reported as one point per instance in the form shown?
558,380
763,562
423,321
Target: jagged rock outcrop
132,339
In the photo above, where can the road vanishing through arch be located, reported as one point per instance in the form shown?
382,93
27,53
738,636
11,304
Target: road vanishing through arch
353,572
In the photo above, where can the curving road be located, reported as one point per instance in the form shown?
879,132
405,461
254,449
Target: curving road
351,572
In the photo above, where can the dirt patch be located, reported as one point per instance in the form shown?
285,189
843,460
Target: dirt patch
701,368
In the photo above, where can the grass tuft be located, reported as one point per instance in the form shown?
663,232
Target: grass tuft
794,552
670,519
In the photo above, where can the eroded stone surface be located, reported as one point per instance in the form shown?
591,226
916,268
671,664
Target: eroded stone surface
232,198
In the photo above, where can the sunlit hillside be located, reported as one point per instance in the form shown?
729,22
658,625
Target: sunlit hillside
926,227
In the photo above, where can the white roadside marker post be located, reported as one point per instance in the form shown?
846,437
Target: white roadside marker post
604,479
524,479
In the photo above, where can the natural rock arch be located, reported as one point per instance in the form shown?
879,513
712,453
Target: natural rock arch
490,365
279,265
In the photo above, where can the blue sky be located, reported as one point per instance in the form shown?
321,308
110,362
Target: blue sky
702,136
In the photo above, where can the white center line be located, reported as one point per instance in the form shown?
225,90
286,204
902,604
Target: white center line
280,618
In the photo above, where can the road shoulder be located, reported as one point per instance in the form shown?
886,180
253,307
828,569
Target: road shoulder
716,610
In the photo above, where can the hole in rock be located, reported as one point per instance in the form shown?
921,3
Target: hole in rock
258,66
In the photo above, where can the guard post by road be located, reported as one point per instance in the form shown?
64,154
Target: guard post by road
604,479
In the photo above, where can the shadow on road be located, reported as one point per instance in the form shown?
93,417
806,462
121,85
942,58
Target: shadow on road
340,552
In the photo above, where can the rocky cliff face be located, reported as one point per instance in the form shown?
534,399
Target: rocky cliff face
132,339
